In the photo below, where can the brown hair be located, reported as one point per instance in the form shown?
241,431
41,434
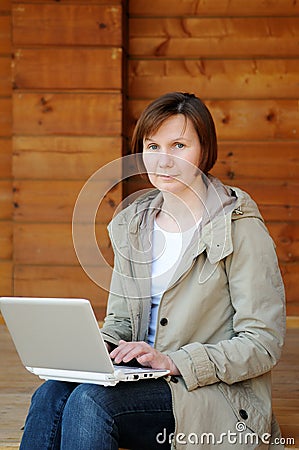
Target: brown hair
192,108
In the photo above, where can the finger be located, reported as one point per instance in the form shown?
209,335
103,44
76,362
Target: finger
118,349
126,352
132,353
145,359
118,353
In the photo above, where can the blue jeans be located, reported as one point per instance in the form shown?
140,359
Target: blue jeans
70,416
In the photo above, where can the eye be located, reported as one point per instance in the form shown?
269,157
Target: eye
179,145
152,147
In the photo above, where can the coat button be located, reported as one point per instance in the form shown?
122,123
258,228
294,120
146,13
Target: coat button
243,414
163,321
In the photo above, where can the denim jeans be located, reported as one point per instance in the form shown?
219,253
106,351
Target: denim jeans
70,416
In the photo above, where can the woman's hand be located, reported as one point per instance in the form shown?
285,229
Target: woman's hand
144,354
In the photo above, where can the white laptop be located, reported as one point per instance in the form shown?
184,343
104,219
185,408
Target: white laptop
59,339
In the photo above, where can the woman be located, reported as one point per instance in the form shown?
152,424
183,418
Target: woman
196,289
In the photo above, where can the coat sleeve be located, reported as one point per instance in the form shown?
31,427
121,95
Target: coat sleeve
257,297
117,323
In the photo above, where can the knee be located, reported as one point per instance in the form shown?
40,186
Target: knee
50,393
86,400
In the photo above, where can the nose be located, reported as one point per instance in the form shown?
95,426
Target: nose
165,160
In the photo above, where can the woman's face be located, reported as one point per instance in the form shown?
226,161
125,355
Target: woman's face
171,156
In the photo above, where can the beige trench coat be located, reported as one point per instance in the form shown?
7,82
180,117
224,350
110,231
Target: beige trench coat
225,318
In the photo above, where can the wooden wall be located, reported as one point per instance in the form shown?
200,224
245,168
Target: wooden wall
6,225
242,59
67,122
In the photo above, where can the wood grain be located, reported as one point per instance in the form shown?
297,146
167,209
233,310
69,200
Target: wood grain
97,2
5,34
215,79
62,281
6,234
63,157
70,114
286,237
6,280
5,157
5,117
67,24
5,6
267,160
290,273
5,200
54,201
68,68
245,120
166,8
5,76
52,244
214,37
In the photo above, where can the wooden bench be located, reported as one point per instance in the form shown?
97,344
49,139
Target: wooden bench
17,386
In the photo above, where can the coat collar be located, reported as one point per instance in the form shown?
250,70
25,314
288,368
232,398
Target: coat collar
223,205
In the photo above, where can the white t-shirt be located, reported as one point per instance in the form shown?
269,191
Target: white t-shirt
167,252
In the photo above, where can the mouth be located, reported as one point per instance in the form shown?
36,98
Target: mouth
165,176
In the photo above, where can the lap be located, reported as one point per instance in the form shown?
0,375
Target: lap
139,410
150,394
147,395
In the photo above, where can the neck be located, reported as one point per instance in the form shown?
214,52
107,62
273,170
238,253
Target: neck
180,213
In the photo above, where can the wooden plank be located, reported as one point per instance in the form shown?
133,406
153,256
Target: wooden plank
5,76
5,117
293,322
173,8
276,160
62,157
5,34
273,193
71,114
5,157
5,200
5,240
257,119
68,68
245,120
277,212
215,79
16,446
98,2
67,24
214,37
52,244
290,273
286,237
54,201
6,272
5,6
61,281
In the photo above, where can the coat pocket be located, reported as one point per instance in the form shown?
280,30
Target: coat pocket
247,407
